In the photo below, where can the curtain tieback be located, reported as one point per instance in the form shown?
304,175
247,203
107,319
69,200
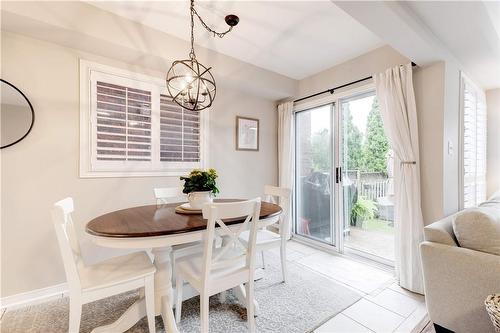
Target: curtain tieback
408,162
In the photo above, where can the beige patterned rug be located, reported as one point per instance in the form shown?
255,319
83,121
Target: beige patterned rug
307,300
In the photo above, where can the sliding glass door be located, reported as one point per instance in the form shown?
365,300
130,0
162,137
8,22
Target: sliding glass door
313,176
343,177
367,179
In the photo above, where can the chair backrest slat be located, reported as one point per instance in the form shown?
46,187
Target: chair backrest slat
215,213
282,197
68,240
166,195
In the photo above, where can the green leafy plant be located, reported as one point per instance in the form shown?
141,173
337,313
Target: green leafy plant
363,210
200,181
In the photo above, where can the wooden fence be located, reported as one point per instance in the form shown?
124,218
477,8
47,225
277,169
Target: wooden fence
370,185
372,190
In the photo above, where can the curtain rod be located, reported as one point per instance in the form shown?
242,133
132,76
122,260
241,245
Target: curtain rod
331,90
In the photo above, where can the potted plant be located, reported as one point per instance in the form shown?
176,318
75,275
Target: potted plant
200,185
362,210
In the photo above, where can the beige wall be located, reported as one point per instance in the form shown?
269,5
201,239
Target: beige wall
365,65
493,168
44,167
428,84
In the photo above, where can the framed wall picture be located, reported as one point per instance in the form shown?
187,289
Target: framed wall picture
247,133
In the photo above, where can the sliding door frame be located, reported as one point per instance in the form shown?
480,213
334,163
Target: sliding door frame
336,206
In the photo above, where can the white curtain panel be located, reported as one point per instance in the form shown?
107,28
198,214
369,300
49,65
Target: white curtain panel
285,153
397,104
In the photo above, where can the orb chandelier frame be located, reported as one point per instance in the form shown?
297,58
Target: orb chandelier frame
191,84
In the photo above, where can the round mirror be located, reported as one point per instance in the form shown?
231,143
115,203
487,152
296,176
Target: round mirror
16,115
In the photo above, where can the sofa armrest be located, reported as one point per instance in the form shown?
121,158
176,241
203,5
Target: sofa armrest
457,281
441,232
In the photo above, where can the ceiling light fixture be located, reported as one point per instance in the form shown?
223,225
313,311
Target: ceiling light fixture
189,83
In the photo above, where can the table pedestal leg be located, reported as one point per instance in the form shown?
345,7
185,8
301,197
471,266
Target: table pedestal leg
163,288
129,318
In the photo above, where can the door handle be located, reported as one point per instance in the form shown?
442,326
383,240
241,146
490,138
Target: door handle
338,175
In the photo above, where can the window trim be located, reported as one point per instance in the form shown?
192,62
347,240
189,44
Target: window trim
464,79
158,168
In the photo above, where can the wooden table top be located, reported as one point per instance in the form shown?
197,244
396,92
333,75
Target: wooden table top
153,220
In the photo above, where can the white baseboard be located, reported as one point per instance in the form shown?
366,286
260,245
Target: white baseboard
58,291
34,296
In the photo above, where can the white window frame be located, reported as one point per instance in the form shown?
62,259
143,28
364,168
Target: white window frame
480,95
90,72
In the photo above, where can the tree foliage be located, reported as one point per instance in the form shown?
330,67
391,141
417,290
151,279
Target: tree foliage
320,143
353,142
375,145
363,151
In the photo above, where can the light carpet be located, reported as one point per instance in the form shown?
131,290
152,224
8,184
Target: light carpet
303,303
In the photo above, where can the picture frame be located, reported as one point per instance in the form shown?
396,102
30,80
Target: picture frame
247,134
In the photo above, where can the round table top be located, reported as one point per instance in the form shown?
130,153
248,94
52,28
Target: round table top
159,220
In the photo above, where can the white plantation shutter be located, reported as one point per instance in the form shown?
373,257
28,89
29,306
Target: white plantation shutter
179,132
123,123
131,128
474,144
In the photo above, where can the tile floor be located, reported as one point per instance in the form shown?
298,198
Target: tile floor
385,307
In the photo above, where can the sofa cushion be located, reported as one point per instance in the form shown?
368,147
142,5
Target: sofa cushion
479,228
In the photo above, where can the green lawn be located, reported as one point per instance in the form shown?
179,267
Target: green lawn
378,225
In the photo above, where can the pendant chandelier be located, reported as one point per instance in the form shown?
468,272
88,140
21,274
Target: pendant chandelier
189,83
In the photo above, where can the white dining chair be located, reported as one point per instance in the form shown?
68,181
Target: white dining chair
169,195
107,278
267,239
229,266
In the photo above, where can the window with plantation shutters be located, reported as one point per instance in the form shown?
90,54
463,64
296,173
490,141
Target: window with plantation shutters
473,144
129,126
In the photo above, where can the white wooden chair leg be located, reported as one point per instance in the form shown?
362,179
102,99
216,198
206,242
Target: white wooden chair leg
283,262
178,304
249,291
172,264
149,294
75,315
263,261
204,299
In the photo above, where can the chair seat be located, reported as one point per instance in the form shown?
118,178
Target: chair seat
116,270
264,237
191,267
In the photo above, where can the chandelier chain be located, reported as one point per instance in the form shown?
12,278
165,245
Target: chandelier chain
215,33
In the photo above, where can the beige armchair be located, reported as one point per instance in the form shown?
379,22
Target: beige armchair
457,281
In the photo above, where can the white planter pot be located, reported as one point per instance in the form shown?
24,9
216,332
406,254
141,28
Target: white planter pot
198,199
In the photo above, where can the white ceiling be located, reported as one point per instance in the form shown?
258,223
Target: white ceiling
294,38
471,32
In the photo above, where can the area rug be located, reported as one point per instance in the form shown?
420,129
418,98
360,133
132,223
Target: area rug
300,305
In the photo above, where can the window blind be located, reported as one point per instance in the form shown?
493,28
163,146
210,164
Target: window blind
123,123
474,145
179,132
